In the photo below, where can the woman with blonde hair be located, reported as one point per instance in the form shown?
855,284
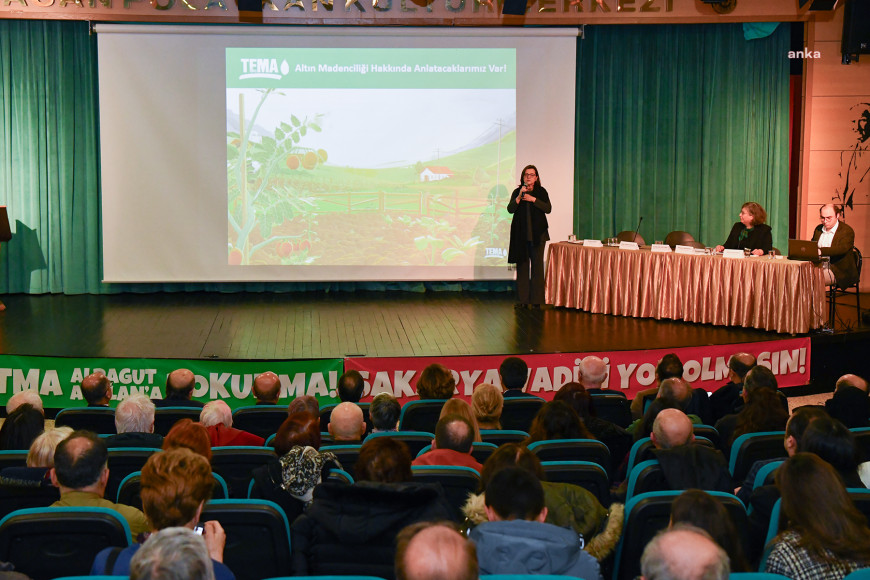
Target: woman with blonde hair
463,409
487,403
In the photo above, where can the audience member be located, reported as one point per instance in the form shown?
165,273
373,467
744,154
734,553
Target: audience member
304,403
81,473
700,509
487,402
266,388
289,480
516,539
794,430
514,373
175,554
350,387
684,463
764,409
557,420
462,408
97,390
436,382
217,417
40,460
726,400
21,427
835,444
850,404
29,397
384,413
176,484
670,366
352,529
592,373
185,433
617,439
434,551
568,506
825,535
179,390
684,552
452,445
346,424
134,422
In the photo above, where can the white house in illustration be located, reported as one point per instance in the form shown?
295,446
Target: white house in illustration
435,173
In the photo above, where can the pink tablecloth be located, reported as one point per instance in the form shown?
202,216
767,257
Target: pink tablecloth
781,295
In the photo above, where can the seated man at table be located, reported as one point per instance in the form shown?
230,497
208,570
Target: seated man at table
836,240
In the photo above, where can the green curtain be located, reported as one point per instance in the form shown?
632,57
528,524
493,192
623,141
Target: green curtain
680,125
49,157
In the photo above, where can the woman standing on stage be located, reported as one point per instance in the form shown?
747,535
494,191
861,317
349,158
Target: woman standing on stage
529,205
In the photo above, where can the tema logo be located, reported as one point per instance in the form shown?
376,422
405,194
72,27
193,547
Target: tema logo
263,68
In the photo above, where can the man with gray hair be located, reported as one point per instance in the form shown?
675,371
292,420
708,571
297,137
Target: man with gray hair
28,397
172,554
217,417
134,422
384,413
593,372
684,552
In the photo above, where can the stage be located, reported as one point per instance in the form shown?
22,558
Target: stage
317,325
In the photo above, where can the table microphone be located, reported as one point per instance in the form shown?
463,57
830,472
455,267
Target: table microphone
637,230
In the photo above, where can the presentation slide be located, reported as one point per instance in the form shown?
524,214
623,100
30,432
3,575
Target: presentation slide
330,161
262,153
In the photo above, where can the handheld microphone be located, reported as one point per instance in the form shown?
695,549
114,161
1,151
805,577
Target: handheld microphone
637,230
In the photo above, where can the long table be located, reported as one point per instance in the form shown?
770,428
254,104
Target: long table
781,295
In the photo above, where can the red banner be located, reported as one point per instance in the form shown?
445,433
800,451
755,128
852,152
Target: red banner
628,371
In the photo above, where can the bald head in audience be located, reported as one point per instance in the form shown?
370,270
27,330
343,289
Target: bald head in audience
346,422
684,553
671,428
304,403
593,371
738,365
434,551
676,389
28,397
97,390
180,384
267,388
852,381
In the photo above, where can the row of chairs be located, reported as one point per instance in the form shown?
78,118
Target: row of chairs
264,420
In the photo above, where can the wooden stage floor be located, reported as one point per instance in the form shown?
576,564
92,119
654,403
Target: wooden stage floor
263,326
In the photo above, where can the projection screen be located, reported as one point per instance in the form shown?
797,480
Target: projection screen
323,153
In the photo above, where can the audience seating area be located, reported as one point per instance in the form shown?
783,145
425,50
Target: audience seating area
47,542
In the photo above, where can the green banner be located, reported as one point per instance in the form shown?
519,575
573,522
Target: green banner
371,68
58,380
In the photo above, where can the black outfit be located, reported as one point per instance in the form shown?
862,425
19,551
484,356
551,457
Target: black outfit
529,234
135,440
173,401
757,238
725,400
842,260
268,480
695,466
351,529
850,406
511,393
617,439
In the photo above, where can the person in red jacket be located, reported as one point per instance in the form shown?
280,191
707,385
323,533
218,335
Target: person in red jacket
452,445
218,419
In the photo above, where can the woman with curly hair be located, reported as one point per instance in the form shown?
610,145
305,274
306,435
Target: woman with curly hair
826,542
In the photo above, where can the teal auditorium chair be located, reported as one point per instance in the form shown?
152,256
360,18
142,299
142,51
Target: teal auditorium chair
518,412
572,450
647,513
613,407
236,465
122,462
350,577
258,536
860,574
346,455
94,578
96,419
457,481
421,415
262,420
130,489
501,436
166,417
586,474
479,450
13,458
751,447
761,576
415,440
525,577
46,543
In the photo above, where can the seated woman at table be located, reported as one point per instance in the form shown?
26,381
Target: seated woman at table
750,232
